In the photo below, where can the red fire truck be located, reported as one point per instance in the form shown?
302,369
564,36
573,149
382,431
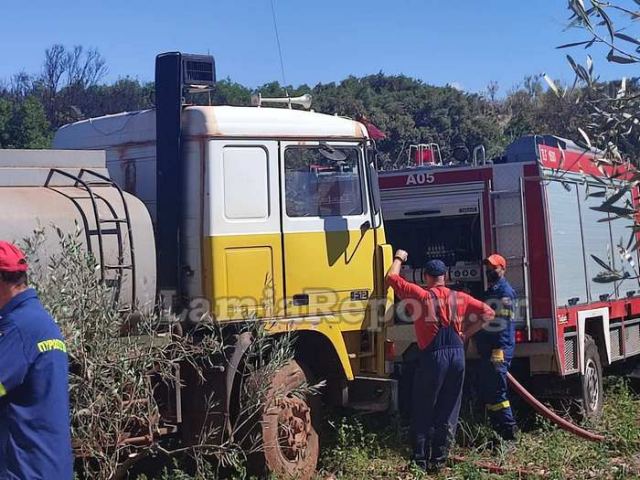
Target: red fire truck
570,259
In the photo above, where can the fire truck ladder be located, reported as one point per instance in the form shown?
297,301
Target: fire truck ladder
503,235
101,229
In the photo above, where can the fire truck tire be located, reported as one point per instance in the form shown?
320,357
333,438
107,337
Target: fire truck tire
291,443
591,394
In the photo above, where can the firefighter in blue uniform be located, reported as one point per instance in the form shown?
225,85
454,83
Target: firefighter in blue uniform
35,437
496,343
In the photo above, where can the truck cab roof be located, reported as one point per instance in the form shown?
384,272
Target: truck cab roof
209,121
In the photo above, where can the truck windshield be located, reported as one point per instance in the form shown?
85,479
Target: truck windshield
323,181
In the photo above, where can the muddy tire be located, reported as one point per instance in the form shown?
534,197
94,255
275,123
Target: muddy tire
591,388
291,444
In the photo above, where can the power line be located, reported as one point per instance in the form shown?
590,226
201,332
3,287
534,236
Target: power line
275,27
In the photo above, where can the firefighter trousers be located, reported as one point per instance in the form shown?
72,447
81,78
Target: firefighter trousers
437,393
494,387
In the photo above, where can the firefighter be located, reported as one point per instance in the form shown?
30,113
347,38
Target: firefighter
442,319
496,343
35,437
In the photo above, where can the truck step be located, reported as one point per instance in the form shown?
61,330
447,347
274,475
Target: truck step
113,220
108,231
118,267
99,184
371,394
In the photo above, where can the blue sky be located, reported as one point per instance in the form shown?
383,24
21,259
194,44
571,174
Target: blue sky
466,43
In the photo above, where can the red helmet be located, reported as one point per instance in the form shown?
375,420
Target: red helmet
11,258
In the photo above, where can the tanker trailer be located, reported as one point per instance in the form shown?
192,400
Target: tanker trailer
71,191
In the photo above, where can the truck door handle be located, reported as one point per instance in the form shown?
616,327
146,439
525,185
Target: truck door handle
301,299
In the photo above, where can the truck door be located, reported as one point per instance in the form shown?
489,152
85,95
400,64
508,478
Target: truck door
243,244
327,232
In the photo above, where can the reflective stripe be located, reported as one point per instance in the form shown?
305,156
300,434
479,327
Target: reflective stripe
3,391
497,355
498,406
504,313
53,344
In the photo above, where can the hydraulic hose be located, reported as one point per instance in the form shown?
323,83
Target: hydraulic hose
545,412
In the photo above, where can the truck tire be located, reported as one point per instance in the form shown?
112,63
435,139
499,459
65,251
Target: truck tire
591,381
290,440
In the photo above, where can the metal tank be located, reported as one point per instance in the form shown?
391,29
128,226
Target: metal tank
72,191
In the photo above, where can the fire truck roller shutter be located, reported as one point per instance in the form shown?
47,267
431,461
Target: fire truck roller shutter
599,238
568,257
622,234
597,242
576,239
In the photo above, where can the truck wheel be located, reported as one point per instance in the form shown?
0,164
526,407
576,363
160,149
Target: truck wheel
291,444
591,380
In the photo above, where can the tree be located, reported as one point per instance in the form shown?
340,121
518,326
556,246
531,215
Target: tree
28,126
228,92
5,120
492,90
410,112
69,88
614,108
613,125
66,75
125,95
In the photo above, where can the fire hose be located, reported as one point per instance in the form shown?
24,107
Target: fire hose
545,412
548,414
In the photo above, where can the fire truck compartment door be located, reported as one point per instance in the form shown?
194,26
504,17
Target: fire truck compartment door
328,239
432,206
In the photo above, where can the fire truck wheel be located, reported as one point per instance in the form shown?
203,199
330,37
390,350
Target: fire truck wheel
291,444
591,380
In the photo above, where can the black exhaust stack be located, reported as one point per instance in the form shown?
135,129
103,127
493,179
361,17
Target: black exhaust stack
177,74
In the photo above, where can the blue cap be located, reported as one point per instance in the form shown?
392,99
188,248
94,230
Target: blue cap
435,268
